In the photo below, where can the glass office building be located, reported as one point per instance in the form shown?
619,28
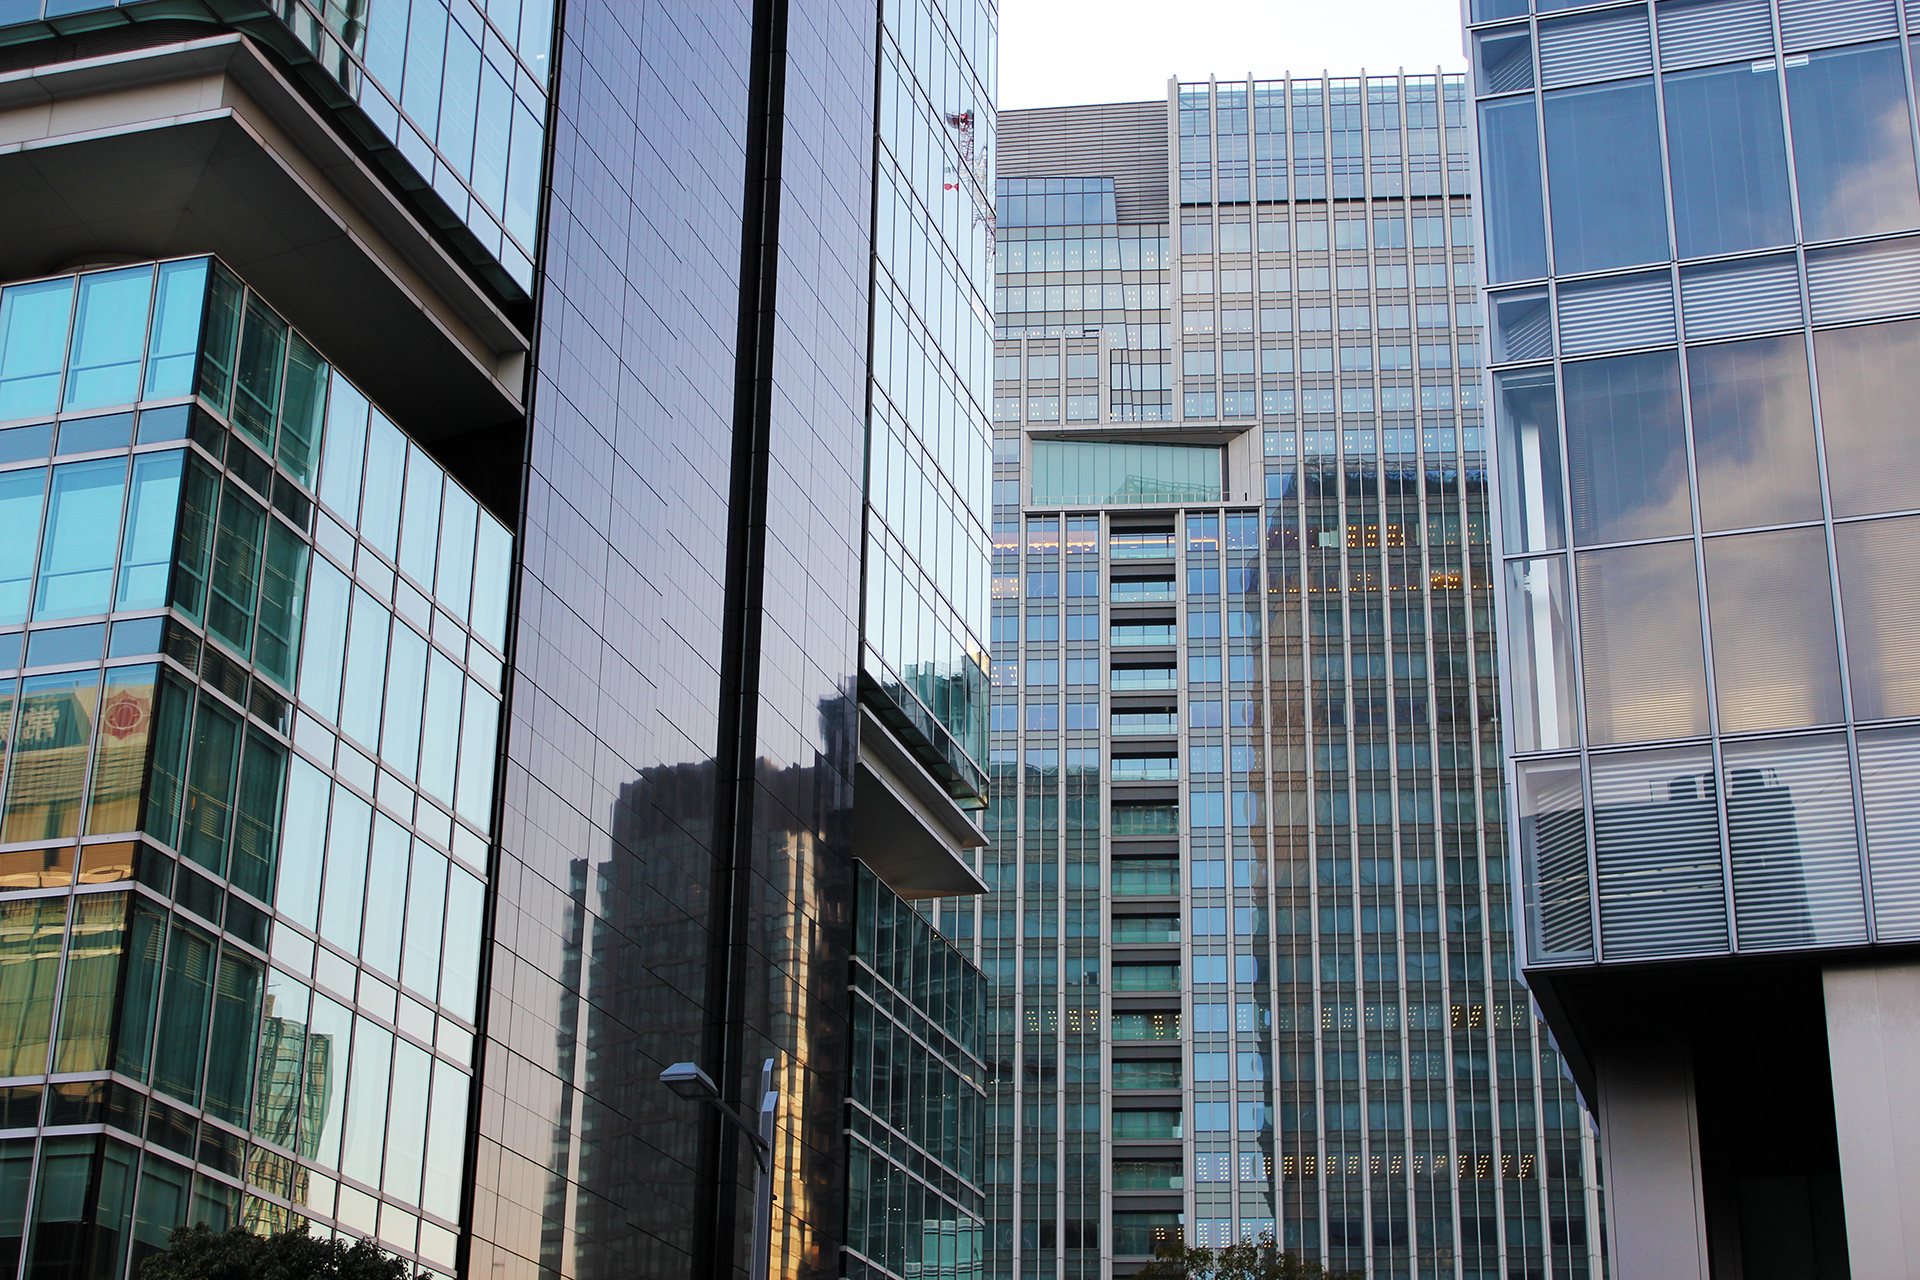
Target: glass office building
1249,948
1698,219
492,569
252,696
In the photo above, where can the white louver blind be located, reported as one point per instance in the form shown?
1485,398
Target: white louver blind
1890,785
1795,853
1657,850
1605,45
1626,311
1751,296
1553,832
1814,24
1864,282
1726,31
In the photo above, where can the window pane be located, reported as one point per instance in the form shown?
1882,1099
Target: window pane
33,346
460,968
1540,640
186,1000
1852,148
367,1102
1770,609
172,710
407,1124
263,350
326,638
1657,849
1627,448
302,406
406,690
366,669
193,542
175,339
420,539
1796,855
346,885
83,533
344,449
453,584
1890,792
1870,416
386,469
50,739
1533,513
478,731
126,719
281,1073
146,549
323,1108
1553,844
1510,165
282,587
492,578
446,1142
235,582
1753,433
236,1021
1640,643
1728,156
1880,606
21,493
30,933
256,829
1603,174
211,775
93,971
426,902
109,333
386,896
297,891
440,728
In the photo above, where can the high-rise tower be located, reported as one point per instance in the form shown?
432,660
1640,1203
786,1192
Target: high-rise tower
1248,943
492,600
1701,220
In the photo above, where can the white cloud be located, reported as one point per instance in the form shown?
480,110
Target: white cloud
1064,52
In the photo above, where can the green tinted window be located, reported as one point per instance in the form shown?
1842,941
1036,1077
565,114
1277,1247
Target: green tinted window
1068,470
222,332
30,933
256,387
235,582
94,949
283,580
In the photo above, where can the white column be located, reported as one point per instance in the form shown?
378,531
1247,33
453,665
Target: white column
1873,1042
1650,1137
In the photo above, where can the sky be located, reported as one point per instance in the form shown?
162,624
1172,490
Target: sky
1063,52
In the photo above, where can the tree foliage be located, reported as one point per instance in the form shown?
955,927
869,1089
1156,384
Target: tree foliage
197,1253
1261,1259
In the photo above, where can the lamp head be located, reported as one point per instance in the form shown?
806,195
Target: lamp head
690,1082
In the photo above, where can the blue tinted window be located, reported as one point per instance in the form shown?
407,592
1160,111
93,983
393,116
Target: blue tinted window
83,534
1852,148
1728,159
1603,175
1510,165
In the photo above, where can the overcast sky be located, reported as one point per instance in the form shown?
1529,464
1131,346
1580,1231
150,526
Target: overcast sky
1061,52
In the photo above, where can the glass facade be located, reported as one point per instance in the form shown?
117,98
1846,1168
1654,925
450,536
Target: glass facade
450,97
1703,452
1249,950
923,651
914,1204
250,670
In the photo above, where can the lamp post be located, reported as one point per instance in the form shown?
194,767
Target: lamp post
690,1082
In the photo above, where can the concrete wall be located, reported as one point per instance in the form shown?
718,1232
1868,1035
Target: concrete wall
1649,1135
1873,1040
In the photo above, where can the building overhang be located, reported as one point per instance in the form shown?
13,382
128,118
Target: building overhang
204,146
905,825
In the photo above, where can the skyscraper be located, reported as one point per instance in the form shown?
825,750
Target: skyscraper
492,603
1700,219
1248,943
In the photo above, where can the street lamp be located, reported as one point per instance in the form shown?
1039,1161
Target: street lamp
695,1085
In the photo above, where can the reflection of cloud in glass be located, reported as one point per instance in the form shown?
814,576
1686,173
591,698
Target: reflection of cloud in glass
1753,433
1870,415
1770,606
1873,186
1640,643
1880,598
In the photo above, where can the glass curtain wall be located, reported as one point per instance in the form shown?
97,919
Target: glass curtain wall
1249,952
449,95
250,673
923,659
1707,469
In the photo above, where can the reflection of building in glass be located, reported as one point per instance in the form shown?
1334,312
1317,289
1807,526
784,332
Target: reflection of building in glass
1249,954
491,541
1698,220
